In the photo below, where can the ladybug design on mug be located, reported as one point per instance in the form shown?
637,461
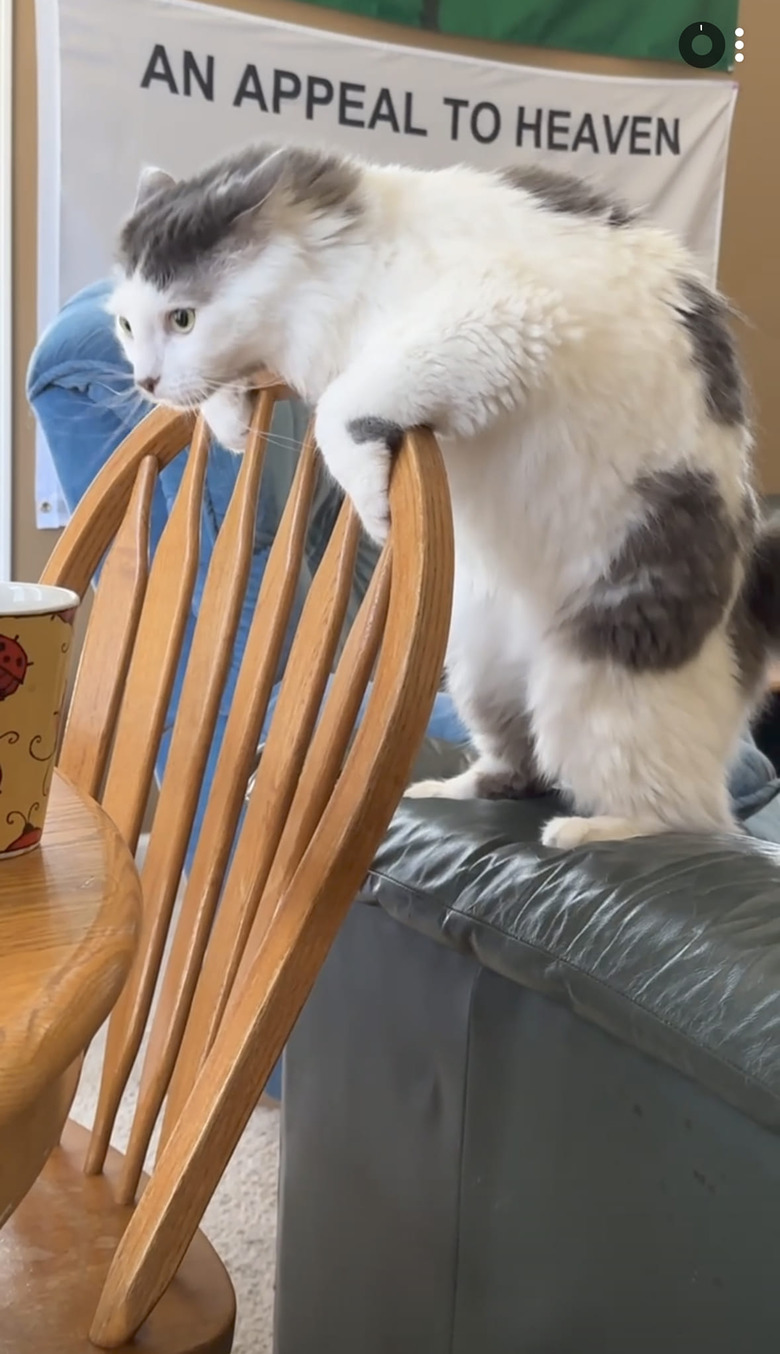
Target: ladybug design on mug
29,835
13,665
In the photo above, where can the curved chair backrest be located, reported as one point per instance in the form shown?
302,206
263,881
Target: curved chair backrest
265,898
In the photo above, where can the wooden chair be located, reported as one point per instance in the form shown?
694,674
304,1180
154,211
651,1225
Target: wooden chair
81,1260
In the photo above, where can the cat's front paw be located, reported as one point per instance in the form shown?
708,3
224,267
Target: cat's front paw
228,413
359,455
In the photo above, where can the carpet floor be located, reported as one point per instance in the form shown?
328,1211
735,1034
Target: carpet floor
240,1221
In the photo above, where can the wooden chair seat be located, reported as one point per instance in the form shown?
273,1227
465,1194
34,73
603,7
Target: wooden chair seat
55,1255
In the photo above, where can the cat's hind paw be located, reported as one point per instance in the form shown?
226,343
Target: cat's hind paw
428,789
481,780
564,834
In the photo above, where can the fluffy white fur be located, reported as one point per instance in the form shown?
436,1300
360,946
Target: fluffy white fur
544,350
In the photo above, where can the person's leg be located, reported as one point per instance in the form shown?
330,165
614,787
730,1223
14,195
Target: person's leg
80,389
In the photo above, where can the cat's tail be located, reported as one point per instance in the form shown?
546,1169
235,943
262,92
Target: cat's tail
762,583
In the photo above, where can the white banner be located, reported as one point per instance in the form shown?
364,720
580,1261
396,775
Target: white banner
174,83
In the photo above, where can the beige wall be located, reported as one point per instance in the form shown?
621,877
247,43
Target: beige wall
30,547
750,260
750,272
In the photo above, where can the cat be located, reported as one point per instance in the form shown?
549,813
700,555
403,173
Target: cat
616,593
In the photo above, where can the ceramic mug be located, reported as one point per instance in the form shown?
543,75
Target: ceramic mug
36,644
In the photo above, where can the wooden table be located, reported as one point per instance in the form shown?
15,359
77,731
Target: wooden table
69,915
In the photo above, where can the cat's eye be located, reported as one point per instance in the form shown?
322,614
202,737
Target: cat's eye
124,325
182,320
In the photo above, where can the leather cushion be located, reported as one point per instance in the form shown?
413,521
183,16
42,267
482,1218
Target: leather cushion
671,943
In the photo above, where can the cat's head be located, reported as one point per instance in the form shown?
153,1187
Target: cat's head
207,264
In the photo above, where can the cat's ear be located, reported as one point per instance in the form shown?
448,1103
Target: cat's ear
150,181
258,187
309,181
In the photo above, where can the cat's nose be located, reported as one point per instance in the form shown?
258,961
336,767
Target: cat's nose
149,383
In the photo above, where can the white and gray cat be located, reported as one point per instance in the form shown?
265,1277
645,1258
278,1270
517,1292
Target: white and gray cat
616,597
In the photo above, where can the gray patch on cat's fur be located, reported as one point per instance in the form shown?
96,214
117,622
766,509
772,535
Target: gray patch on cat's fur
503,732
506,785
568,194
370,429
671,581
220,210
705,317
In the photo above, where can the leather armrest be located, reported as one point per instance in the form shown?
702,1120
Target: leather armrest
671,943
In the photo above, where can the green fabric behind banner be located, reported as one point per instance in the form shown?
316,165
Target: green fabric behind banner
630,28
